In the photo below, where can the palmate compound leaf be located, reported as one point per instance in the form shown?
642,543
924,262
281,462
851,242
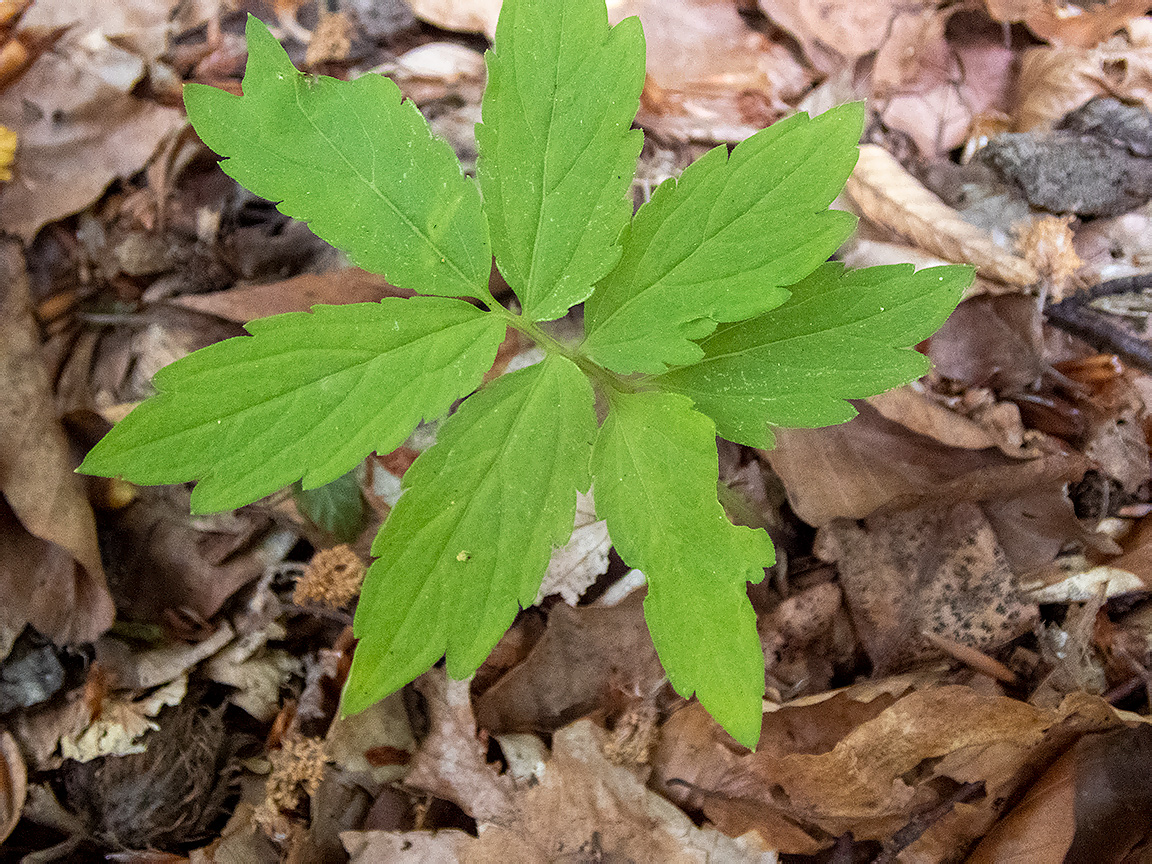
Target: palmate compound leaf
355,163
556,154
724,241
308,394
469,540
654,470
841,335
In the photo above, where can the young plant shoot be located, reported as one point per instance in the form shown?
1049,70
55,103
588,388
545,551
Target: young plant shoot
710,311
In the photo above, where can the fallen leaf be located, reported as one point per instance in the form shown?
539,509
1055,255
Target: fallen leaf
13,785
1080,24
947,753
51,575
574,568
838,32
585,655
461,16
891,197
450,761
298,294
1054,80
935,568
412,847
122,724
80,126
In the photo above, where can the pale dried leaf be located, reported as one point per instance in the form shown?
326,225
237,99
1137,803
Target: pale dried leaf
574,568
460,16
891,197
450,846
122,724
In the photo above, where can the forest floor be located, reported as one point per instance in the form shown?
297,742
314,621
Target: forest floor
958,630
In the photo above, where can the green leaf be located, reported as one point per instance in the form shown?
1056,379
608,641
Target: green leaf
356,163
471,536
306,395
556,156
723,242
337,508
655,474
842,335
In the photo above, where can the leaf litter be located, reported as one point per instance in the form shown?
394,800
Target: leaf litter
956,661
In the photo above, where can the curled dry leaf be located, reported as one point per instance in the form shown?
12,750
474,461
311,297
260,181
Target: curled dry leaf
891,197
50,570
1079,24
1054,81
874,773
13,785
459,16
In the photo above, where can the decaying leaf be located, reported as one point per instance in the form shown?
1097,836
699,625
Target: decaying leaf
1055,80
585,656
13,785
79,123
939,763
1067,22
891,197
938,569
51,575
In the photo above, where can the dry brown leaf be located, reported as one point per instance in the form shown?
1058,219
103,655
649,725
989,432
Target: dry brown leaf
936,568
412,847
1039,829
852,469
51,575
885,770
1054,81
891,197
1080,23
298,294
79,124
13,785
585,656
937,71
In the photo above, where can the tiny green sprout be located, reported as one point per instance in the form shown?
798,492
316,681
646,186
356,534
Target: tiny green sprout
709,311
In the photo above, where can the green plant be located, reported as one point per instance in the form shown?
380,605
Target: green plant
709,310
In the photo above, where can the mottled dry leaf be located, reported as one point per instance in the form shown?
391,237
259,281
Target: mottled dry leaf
13,785
936,568
891,197
585,655
1066,22
298,294
575,567
50,570
1054,81
854,469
